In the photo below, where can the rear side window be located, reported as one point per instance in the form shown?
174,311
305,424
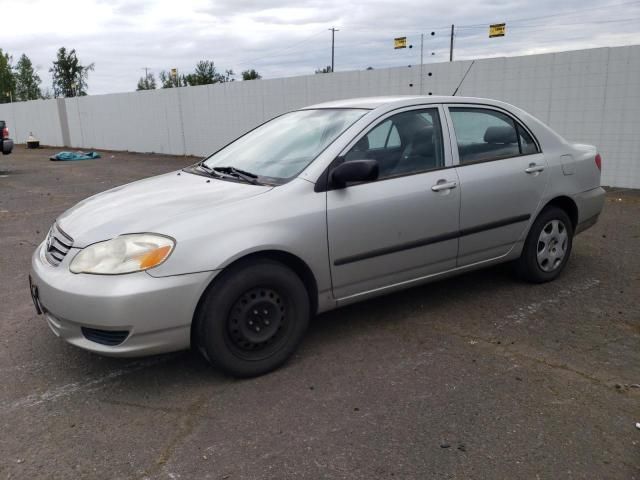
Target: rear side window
484,135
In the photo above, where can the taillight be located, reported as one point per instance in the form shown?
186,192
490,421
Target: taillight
599,161
5,132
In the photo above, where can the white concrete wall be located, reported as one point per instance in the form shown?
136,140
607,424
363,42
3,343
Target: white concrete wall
590,96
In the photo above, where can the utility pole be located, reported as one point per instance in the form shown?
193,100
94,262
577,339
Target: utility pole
333,44
451,44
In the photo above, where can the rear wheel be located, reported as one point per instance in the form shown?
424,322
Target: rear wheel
253,318
547,247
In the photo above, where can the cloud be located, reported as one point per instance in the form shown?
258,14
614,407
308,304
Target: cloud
285,38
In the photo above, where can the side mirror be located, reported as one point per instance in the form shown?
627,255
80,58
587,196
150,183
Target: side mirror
354,171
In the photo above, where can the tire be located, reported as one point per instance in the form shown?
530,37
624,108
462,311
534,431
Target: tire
252,318
547,247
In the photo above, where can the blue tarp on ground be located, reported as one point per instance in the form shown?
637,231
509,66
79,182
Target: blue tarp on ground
74,156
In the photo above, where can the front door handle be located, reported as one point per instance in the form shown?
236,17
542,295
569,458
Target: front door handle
444,185
533,168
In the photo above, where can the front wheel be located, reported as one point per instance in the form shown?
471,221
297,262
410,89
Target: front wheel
547,247
253,318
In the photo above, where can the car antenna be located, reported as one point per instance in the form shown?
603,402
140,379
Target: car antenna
465,76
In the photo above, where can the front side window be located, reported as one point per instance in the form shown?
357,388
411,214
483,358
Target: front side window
384,135
484,135
284,146
403,144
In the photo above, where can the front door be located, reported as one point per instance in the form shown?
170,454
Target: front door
403,226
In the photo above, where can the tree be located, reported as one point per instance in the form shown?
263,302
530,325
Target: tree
326,69
7,80
148,82
69,75
27,80
251,75
172,81
206,73
227,77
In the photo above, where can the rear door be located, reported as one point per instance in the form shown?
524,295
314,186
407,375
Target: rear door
404,225
503,177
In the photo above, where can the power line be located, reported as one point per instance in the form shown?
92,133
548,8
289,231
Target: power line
289,48
593,22
514,29
562,14
377,43
438,50
357,27
294,49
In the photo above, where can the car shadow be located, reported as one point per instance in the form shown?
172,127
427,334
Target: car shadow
328,335
370,313
327,328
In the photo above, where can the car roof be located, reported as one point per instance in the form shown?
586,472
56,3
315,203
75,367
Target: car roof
398,100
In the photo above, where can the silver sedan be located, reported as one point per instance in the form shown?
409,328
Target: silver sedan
315,209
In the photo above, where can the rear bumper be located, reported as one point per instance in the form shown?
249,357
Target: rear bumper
7,146
155,312
590,204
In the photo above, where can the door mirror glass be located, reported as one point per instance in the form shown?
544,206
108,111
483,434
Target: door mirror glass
354,171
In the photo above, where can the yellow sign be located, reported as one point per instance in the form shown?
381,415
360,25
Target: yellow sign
400,42
497,30
174,72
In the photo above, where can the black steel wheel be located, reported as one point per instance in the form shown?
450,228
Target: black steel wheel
257,323
253,317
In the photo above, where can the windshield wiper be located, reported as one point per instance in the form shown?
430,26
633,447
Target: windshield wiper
237,173
209,171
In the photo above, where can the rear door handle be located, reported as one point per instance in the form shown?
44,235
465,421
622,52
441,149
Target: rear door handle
533,168
444,185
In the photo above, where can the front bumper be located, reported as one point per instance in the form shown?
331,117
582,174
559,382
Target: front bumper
155,311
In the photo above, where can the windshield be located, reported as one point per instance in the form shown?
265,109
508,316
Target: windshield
284,146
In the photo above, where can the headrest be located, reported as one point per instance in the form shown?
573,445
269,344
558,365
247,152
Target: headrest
421,143
500,135
423,136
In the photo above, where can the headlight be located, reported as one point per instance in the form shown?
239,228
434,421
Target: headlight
124,254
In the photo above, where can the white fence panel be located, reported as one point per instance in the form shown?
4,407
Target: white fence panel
39,117
589,96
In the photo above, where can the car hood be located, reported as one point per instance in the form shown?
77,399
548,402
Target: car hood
147,205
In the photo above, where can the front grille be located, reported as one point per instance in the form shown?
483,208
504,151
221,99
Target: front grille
105,337
57,246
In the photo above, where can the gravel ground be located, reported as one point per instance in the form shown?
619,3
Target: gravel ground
479,376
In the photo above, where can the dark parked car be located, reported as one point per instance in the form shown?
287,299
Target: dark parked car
6,144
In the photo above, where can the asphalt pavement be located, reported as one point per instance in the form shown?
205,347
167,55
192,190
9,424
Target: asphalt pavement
476,377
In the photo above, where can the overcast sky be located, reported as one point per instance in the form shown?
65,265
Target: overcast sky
288,38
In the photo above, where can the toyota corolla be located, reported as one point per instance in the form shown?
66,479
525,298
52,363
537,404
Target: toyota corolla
317,208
